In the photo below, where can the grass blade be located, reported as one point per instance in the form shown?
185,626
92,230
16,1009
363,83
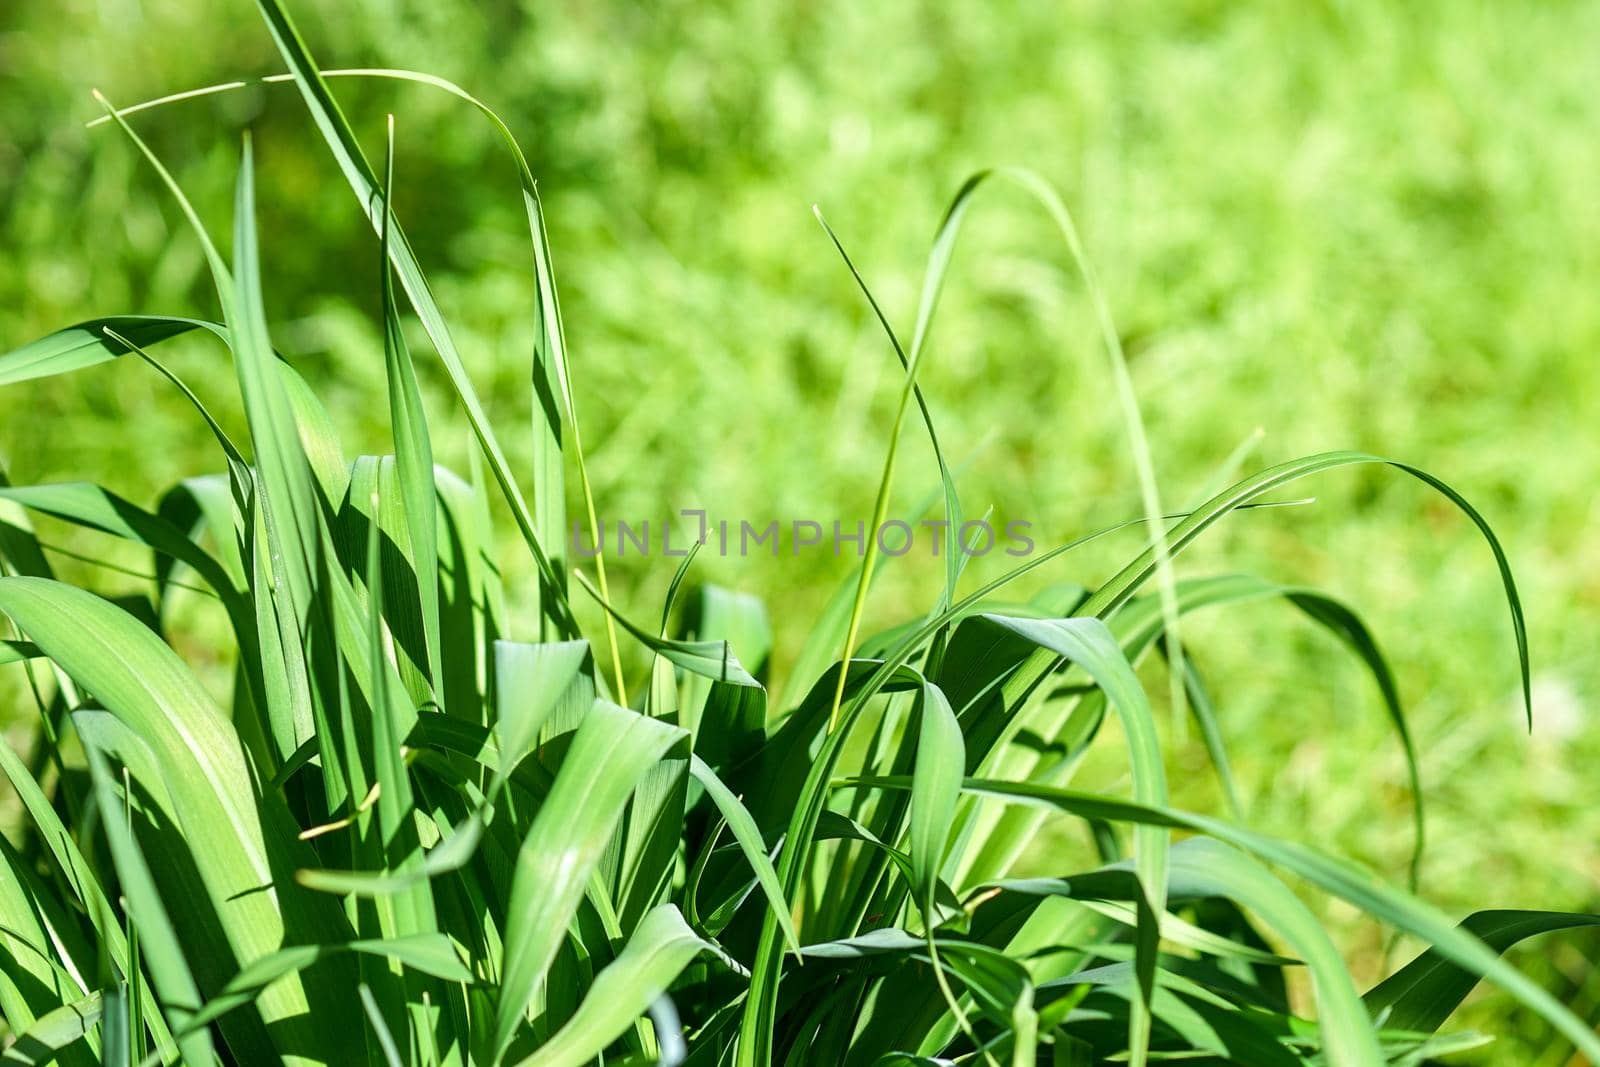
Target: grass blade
1422,994
413,447
613,749
661,947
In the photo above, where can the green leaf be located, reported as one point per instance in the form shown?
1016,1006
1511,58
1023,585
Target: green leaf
610,754
427,953
57,1030
1089,644
1138,623
955,559
1401,910
87,344
95,508
413,447
289,496
1207,868
38,974
237,840
169,970
745,831
656,953
1126,582
346,149
47,825
536,686
18,651
707,659
386,1042
1422,994
941,760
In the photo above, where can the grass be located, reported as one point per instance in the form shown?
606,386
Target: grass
1440,257
480,840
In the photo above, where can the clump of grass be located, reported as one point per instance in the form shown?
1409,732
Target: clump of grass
468,829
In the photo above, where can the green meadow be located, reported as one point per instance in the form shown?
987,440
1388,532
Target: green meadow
1309,227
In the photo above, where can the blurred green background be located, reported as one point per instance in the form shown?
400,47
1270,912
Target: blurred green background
1341,224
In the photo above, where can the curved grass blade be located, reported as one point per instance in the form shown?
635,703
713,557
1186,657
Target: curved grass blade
54,1033
1206,868
1205,717
708,659
94,508
955,559
1087,643
386,1042
538,689
1125,583
550,364
236,460
748,835
1398,909
1137,627
225,826
1423,994
95,341
1046,196
611,753
346,149
656,953
428,953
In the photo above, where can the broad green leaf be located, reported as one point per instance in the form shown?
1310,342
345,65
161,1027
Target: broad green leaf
941,760
236,838
169,970
610,754
536,686
656,953
48,1038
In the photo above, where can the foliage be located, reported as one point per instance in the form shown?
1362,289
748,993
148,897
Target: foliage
427,791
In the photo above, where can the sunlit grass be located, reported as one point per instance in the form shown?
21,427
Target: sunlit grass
417,793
